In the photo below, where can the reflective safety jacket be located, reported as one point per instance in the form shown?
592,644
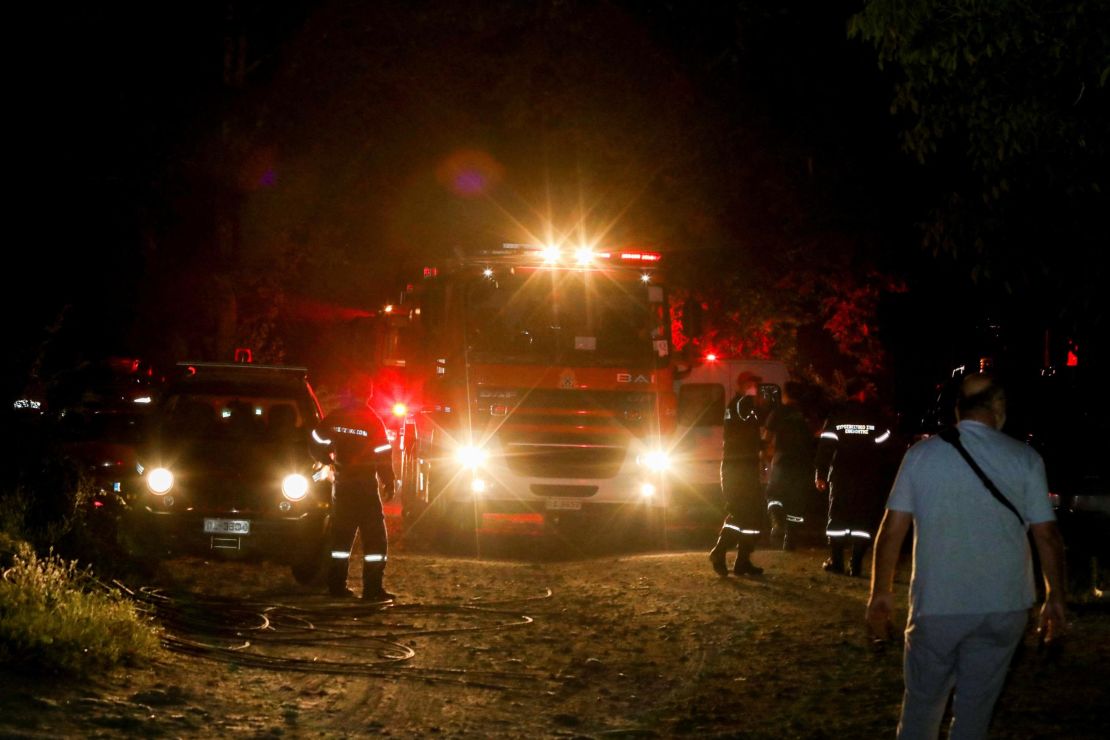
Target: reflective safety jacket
355,441
855,452
743,419
851,443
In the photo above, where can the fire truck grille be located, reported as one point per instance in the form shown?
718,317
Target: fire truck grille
565,461
582,409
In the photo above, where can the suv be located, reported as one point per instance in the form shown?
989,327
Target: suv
225,469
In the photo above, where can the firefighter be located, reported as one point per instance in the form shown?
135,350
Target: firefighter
353,437
789,490
740,480
854,470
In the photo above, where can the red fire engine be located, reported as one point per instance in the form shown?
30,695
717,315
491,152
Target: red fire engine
540,392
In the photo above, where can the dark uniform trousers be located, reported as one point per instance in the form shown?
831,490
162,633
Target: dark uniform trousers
741,487
356,505
744,510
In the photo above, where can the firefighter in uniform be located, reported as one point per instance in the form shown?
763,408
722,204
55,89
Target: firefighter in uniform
790,487
740,480
853,468
354,439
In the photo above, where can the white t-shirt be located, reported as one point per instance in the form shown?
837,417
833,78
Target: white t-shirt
970,553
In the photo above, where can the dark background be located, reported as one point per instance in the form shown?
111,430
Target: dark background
194,177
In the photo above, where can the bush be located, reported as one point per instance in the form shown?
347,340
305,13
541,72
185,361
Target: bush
56,618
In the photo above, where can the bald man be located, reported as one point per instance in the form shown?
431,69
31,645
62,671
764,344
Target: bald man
972,582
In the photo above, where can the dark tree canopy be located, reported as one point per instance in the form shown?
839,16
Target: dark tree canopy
1006,104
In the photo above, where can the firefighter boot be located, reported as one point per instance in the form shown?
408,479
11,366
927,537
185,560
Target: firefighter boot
787,540
725,542
778,526
859,549
744,565
372,589
835,563
337,578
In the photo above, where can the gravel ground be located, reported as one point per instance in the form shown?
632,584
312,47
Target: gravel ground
610,644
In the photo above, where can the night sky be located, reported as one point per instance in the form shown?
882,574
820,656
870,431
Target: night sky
176,159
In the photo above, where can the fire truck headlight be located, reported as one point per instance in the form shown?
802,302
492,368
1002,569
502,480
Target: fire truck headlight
471,456
294,487
647,490
159,481
657,461
399,410
550,254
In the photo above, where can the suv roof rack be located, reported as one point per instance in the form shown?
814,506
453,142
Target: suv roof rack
291,369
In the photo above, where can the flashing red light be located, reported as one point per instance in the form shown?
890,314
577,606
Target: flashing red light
1073,359
399,409
711,357
430,272
242,354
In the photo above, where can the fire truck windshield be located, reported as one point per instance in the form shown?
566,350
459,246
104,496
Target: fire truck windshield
580,318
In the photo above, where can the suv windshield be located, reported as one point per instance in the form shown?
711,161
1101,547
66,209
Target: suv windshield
576,318
234,416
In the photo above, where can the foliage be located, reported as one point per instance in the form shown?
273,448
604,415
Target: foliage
55,618
1007,102
47,502
771,320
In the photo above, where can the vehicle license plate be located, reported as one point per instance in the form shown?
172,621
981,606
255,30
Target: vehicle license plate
563,504
227,526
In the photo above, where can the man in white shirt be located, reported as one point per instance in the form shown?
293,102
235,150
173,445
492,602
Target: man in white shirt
972,583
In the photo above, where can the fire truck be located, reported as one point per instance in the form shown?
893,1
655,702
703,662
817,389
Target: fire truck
540,393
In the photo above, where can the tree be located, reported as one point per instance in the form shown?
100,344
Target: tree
1006,104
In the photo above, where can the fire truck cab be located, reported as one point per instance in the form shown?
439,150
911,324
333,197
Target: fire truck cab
547,392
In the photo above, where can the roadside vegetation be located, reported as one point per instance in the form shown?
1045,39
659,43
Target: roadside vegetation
57,615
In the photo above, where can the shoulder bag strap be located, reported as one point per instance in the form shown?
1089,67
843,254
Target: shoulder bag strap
951,435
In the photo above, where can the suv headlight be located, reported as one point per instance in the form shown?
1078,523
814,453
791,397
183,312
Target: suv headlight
294,487
159,481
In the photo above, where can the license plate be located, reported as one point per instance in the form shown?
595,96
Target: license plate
561,504
227,526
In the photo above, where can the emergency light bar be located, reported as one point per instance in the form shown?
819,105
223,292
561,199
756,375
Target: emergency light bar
553,255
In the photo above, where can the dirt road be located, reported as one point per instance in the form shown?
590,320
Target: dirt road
612,645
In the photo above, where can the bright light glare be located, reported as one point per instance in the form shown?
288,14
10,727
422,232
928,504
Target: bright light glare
487,272
583,255
470,456
647,490
294,487
645,278
399,409
478,486
159,481
550,254
711,357
656,461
